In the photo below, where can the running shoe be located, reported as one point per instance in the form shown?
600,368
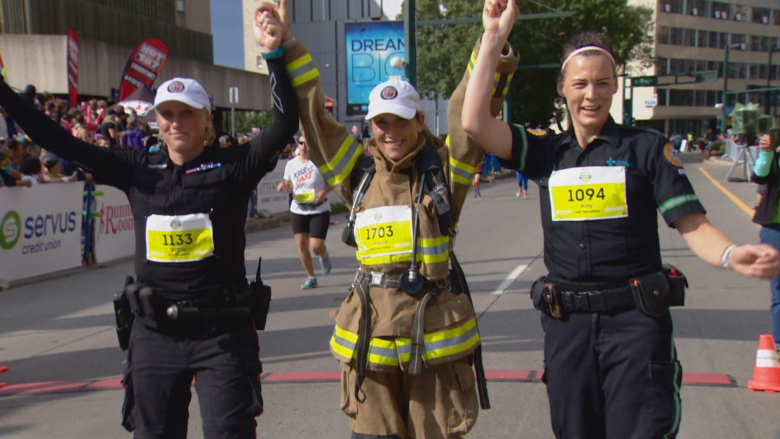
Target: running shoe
310,283
518,194
325,264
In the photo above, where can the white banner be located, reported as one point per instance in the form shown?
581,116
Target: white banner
268,199
114,229
40,229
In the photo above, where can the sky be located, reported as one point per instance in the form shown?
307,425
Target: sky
228,33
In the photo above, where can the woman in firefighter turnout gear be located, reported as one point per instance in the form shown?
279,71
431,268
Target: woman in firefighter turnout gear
406,335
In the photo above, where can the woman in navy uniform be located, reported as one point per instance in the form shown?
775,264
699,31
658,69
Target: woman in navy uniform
189,208
610,362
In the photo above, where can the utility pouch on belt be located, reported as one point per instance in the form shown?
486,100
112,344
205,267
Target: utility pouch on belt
677,284
651,294
537,294
124,315
547,298
261,299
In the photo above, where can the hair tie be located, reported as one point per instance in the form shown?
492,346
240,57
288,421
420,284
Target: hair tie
586,48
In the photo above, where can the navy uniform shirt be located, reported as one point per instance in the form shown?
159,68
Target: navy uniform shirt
615,249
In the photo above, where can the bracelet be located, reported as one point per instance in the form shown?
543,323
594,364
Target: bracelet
289,43
724,258
66,179
278,53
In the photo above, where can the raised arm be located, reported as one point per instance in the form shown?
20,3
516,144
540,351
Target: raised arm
465,154
331,147
264,150
492,134
108,166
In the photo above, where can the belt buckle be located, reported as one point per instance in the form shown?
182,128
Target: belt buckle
377,279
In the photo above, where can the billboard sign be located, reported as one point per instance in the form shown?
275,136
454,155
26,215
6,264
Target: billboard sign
115,230
370,47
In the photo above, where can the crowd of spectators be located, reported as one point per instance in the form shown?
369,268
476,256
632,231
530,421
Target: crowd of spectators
22,163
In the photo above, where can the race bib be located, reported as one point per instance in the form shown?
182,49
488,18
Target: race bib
179,238
384,231
304,197
588,193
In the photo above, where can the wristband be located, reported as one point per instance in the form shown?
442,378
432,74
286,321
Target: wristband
278,53
724,258
289,43
66,179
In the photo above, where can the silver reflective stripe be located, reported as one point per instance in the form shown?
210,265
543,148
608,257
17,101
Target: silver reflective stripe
461,172
450,342
434,250
677,202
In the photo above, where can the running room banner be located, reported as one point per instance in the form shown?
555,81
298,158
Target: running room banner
73,68
40,229
268,199
114,228
143,66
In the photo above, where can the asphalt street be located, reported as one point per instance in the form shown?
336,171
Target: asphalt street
58,340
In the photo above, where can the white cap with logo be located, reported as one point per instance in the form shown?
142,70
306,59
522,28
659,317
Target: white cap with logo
185,90
395,97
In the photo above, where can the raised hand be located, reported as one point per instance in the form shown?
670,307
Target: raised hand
500,16
284,15
267,27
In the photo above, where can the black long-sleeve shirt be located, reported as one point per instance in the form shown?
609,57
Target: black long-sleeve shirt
219,183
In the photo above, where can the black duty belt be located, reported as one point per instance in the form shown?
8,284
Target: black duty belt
587,297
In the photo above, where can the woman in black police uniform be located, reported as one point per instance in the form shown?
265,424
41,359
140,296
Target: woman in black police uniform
189,206
611,369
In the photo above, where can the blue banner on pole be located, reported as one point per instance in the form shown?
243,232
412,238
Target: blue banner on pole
370,47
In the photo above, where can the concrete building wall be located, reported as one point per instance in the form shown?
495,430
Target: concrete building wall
196,15
41,60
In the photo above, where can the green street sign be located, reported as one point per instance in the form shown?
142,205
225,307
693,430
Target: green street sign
708,76
644,81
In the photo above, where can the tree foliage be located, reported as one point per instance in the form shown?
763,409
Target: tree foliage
443,51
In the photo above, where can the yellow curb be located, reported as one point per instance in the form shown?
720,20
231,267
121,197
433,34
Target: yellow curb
733,197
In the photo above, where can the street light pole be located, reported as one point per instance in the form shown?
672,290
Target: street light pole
410,40
724,114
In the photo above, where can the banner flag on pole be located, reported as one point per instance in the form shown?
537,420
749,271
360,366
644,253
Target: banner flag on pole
144,65
73,67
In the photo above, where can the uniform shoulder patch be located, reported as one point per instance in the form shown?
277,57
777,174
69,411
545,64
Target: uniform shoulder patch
537,133
672,156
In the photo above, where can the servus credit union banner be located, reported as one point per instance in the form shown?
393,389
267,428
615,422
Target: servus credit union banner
40,229
370,47
144,65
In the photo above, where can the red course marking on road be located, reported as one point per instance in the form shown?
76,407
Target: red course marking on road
708,379
508,375
111,383
54,386
322,375
690,379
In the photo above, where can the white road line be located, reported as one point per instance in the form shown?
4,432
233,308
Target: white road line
509,279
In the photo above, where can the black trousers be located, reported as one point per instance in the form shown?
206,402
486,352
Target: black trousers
222,357
612,376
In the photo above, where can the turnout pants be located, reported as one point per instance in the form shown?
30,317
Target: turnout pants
223,359
612,376
440,403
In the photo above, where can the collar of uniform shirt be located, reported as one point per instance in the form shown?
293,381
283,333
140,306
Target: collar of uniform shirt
609,133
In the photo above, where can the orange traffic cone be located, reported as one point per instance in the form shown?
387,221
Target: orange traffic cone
766,375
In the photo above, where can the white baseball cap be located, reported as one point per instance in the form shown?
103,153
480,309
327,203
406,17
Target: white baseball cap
395,97
184,90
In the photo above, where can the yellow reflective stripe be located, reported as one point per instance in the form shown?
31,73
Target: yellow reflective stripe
383,260
461,172
435,250
302,70
339,168
380,351
452,341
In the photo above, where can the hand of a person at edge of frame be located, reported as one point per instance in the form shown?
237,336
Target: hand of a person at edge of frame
765,143
758,261
321,197
267,27
500,16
